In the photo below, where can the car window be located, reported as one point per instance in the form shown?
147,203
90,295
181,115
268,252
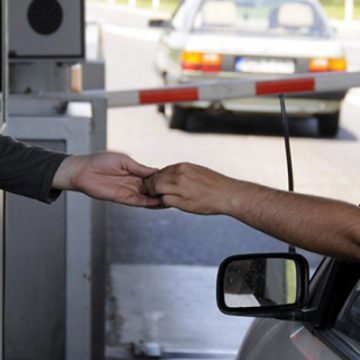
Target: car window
181,16
347,325
272,18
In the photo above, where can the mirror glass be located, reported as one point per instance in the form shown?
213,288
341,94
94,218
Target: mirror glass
260,282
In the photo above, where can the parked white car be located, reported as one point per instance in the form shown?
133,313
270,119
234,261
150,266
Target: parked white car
242,39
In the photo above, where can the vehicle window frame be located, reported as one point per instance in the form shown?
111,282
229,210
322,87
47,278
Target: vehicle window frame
327,310
337,344
351,343
187,24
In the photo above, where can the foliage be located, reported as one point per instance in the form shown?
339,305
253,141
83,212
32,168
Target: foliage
333,8
165,5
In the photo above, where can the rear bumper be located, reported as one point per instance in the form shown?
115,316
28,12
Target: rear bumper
296,105
266,105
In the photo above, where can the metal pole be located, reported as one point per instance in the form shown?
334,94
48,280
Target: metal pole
156,4
349,10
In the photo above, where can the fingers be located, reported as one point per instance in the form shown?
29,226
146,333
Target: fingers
159,184
172,201
138,200
148,202
166,181
140,170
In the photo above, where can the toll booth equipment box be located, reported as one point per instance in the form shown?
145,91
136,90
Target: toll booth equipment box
46,29
55,254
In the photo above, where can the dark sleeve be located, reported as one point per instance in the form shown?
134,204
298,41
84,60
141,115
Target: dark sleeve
27,170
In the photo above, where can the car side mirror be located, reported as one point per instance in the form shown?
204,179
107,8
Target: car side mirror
263,285
159,23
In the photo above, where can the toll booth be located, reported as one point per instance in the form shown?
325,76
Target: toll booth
55,255
55,258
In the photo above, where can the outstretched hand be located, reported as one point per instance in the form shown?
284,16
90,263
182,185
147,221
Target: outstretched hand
191,188
107,176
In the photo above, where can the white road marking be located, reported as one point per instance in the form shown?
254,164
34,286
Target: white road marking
136,33
353,97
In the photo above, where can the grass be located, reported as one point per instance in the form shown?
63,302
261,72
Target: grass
333,8
165,5
336,11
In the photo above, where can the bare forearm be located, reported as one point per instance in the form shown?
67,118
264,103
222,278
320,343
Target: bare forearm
317,224
64,177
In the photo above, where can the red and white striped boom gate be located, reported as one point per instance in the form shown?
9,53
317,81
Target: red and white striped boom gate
218,90
234,89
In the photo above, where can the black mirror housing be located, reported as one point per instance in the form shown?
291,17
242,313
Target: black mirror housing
159,23
283,280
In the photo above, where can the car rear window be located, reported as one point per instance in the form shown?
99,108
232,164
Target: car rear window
261,17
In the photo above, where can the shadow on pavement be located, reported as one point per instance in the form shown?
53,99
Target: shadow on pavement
264,125
171,237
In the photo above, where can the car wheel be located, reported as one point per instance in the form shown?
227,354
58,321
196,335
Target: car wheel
328,125
178,118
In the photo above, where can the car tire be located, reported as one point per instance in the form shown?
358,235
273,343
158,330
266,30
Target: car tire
328,125
161,109
178,118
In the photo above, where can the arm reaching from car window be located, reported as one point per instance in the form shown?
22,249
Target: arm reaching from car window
317,224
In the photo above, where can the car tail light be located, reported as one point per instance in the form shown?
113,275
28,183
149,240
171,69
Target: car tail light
325,64
191,60
211,62
206,62
339,64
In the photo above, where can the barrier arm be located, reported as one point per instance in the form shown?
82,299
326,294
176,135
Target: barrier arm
216,90
234,89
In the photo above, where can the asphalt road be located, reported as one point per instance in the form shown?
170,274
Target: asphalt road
250,149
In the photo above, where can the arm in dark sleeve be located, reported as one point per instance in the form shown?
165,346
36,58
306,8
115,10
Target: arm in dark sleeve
28,171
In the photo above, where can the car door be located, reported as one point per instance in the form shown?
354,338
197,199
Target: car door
330,329
344,334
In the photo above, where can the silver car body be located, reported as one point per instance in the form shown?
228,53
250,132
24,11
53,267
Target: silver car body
267,336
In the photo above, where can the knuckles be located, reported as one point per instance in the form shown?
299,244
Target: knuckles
181,179
183,168
178,175
157,187
151,186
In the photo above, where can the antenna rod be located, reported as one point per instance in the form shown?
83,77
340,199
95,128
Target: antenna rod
285,122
